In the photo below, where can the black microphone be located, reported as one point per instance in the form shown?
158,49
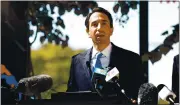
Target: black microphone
148,94
34,85
99,74
88,64
113,77
166,94
98,80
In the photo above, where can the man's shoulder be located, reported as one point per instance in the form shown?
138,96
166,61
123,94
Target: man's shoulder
176,57
125,51
80,55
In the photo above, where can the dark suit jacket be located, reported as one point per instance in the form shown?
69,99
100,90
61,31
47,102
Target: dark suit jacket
127,62
175,77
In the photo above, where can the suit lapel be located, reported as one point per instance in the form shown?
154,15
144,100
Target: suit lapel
112,57
116,58
87,63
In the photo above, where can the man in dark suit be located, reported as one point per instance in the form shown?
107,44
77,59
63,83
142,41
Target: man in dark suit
99,26
175,78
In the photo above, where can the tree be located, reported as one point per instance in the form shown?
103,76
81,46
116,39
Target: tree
43,21
156,54
16,15
38,16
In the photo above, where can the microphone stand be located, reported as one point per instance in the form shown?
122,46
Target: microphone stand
170,99
120,90
97,88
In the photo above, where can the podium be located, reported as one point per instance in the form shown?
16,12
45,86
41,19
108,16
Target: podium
78,98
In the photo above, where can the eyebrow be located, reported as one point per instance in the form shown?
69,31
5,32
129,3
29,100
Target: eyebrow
99,20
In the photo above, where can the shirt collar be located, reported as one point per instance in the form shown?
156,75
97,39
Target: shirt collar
106,52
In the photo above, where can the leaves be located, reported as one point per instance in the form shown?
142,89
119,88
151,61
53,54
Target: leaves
42,39
33,21
38,16
164,33
124,6
31,32
165,49
115,8
124,9
57,40
46,21
60,22
65,43
58,32
61,9
52,8
133,5
156,54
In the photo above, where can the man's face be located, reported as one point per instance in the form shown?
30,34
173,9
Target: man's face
99,28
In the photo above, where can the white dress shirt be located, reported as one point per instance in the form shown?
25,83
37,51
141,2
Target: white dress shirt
105,59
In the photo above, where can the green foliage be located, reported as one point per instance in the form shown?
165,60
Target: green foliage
55,61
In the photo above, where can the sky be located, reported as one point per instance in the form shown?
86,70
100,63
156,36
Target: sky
161,17
76,30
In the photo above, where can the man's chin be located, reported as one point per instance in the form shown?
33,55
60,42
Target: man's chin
100,43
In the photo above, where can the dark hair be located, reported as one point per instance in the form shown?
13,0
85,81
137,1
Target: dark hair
102,10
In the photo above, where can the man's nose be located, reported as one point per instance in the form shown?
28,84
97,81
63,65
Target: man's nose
99,26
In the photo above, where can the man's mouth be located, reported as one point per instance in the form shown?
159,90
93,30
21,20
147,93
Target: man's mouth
99,35
99,38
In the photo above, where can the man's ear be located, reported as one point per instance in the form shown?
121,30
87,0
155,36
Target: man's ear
111,30
87,31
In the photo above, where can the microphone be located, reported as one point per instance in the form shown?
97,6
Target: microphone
113,77
98,79
166,94
148,94
34,85
99,74
88,64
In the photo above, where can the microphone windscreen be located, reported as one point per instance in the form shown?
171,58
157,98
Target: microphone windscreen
35,84
148,94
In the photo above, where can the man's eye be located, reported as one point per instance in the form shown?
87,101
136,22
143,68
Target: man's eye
104,23
94,24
